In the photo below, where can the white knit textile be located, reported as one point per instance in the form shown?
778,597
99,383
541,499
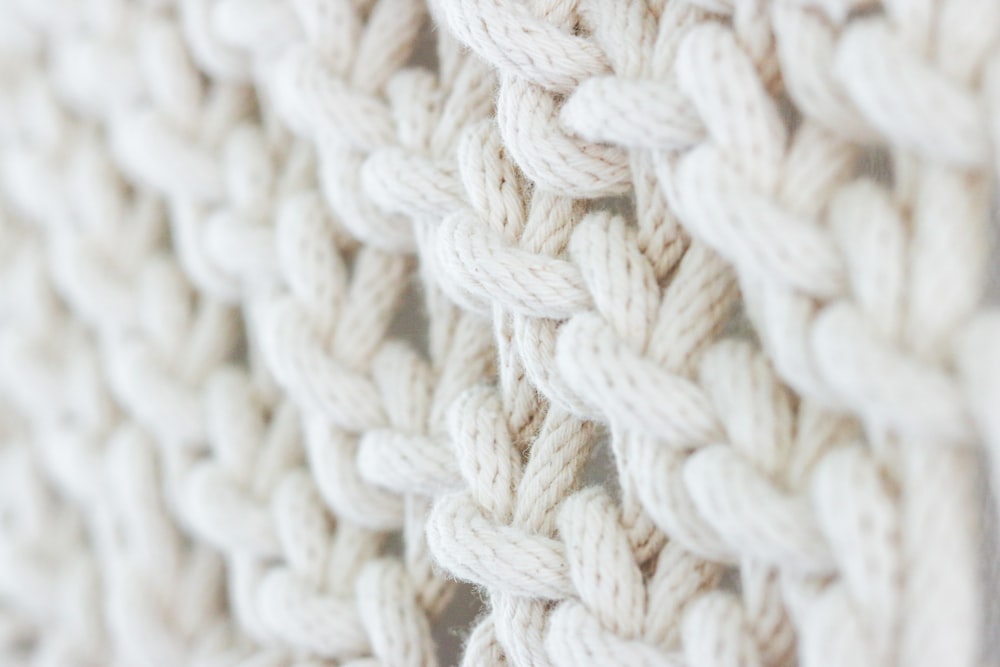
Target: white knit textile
644,227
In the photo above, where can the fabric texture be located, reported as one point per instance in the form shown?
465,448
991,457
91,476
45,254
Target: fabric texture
659,327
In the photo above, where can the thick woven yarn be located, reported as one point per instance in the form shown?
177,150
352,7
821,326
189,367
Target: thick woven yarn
561,333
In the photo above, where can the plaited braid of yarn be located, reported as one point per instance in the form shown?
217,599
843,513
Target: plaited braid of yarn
51,574
299,521
565,292
400,448
331,86
853,353
512,552
158,591
288,600
399,389
251,497
479,267
545,222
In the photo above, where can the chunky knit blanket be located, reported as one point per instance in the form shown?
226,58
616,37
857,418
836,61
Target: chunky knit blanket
538,333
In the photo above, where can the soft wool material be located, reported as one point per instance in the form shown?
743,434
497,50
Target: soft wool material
311,310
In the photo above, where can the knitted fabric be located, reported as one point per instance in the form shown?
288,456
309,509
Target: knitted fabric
660,325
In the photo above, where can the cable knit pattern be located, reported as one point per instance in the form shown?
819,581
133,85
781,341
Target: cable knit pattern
662,327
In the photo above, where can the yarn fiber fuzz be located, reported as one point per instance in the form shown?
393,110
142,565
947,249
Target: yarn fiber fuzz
663,329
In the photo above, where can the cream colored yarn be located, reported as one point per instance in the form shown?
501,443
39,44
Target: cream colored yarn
312,309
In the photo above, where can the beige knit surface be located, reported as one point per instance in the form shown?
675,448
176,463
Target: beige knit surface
535,333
